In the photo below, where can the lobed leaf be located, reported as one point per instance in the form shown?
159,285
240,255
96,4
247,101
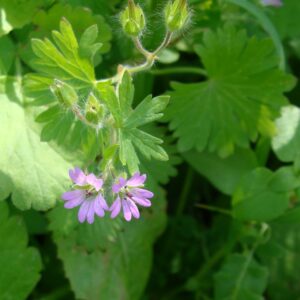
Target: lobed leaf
20,265
243,94
240,278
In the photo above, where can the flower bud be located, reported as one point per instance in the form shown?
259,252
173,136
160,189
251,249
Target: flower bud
176,14
133,19
93,109
64,93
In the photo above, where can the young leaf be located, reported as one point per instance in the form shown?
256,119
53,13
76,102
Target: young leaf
83,22
241,278
20,265
244,90
64,61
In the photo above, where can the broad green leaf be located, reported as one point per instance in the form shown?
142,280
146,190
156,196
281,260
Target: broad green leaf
7,54
11,18
263,195
286,142
266,24
286,19
37,170
20,265
240,278
223,173
5,187
240,99
108,259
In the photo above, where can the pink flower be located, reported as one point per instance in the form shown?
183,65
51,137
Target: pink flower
87,195
130,193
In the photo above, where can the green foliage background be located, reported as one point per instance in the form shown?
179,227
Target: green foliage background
225,219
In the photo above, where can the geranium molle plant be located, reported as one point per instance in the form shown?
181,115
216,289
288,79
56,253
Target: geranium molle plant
102,112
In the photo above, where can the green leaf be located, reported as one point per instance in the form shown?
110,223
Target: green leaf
63,61
239,100
286,19
240,278
11,18
223,173
159,170
108,95
127,120
37,170
108,258
7,54
263,195
147,111
126,94
20,265
286,142
81,18
285,261
266,24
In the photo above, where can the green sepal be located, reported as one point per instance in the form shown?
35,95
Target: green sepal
64,93
133,19
94,111
176,15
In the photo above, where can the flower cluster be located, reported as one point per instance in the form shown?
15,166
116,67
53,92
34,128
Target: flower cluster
87,193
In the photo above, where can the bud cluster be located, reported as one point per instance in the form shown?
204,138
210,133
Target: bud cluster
133,19
67,97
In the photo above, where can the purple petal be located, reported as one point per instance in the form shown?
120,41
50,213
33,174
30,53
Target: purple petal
141,193
272,2
91,213
99,209
137,180
134,209
94,181
74,203
126,210
77,176
142,201
83,211
117,186
99,199
115,208
71,195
